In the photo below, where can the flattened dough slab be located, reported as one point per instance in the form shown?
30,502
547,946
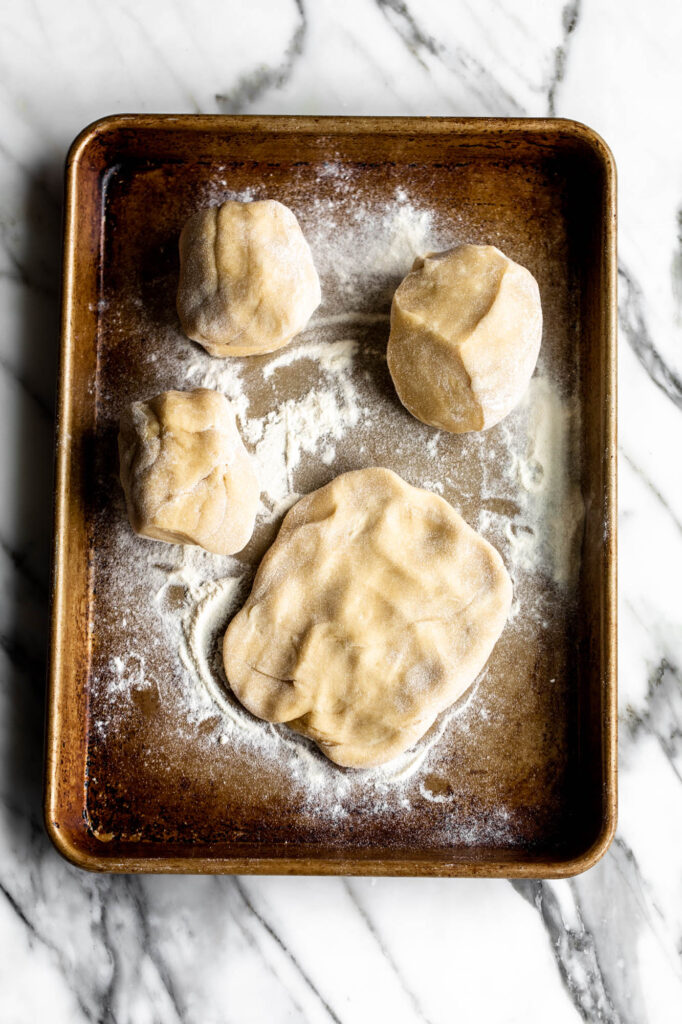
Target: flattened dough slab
373,611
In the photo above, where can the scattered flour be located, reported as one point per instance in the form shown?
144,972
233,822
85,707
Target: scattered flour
213,605
324,400
335,357
219,375
369,242
298,427
548,527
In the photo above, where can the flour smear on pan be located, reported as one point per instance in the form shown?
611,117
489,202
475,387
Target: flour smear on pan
332,418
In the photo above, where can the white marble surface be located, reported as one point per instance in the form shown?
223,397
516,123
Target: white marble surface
136,950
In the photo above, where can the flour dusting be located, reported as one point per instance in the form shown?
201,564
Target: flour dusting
322,405
296,428
549,524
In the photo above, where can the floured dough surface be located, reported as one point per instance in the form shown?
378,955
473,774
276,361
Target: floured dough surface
466,326
187,476
374,610
247,279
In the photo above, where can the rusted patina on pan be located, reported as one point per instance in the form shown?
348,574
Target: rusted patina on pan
554,753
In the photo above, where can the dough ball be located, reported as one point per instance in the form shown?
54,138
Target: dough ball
465,334
247,279
375,608
187,477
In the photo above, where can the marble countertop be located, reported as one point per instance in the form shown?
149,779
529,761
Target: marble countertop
604,946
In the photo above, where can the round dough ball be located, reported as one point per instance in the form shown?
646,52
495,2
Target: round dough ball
465,334
374,610
187,477
247,279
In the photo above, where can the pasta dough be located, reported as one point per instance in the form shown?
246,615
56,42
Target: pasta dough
374,610
187,477
466,326
247,279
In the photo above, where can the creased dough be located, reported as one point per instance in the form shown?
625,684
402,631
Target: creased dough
374,610
187,476
466,326
248,283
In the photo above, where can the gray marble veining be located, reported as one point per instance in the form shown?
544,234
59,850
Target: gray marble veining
604,946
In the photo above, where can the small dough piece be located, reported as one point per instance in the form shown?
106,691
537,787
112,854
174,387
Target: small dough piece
466,326
187,477
248,283
374,610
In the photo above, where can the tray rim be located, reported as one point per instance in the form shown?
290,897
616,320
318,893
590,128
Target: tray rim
76,852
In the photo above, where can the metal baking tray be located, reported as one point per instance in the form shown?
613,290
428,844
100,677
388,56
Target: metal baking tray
520,780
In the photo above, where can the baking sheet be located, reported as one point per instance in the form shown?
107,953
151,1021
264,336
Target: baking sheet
517,777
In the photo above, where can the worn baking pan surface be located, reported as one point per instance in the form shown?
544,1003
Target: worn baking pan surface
150,763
